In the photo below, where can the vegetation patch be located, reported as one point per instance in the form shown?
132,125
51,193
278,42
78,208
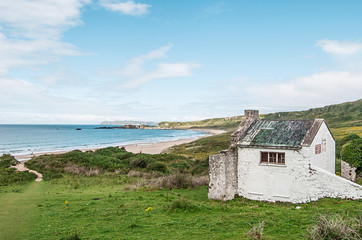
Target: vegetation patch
113,160
336,227
202,148
10,175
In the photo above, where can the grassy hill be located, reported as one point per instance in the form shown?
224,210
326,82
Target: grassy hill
227,123
342,119
347,114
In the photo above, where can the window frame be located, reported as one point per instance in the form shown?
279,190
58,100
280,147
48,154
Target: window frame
273,158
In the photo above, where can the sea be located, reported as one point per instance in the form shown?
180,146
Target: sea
27,139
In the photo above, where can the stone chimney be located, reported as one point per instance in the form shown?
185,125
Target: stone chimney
250,116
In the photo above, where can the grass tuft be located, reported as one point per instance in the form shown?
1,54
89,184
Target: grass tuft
336,227
256,232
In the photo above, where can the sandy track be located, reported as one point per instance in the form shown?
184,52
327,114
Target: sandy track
21,167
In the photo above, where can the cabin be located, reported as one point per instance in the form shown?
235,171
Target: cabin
279,160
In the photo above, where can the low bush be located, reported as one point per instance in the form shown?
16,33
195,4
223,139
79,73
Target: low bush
352,153
108,160
158,167
343,141
177,181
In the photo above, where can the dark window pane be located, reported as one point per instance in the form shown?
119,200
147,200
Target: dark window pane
281,158
273,157
264,157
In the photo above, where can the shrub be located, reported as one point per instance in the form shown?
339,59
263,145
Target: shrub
157,166
10,175
177,181
6,160
352,153
139,162
343,141
335,227
201,167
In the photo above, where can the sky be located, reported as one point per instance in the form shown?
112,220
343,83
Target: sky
87,61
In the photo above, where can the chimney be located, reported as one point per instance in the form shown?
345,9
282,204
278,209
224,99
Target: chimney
250,114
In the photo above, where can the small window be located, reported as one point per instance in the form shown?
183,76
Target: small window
318,149
272,157
281,158
324,145
264,157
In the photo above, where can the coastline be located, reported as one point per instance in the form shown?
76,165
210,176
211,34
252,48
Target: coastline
149,148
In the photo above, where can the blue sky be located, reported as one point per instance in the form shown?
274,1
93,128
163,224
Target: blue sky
83,61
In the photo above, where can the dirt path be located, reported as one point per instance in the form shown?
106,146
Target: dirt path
21,167
17,209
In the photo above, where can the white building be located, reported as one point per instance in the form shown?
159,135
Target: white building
279,160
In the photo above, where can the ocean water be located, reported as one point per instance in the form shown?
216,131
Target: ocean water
26,139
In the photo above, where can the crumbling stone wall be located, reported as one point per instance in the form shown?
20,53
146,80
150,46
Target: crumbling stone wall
223,175
223,167
348,172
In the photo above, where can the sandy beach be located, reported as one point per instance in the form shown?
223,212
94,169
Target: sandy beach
150,148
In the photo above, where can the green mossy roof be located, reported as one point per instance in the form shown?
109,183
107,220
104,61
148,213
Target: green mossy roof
276,133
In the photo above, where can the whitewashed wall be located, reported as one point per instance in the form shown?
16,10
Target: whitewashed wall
269,182
305,177
326,159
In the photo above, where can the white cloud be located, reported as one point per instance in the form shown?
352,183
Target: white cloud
315,90
31,31
25,102
340,48
41,17
127,8
135,73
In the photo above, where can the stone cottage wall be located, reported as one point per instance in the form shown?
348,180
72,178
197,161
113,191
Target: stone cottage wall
348,172
223,175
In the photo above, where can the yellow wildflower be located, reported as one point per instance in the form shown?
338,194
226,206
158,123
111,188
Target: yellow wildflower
66,202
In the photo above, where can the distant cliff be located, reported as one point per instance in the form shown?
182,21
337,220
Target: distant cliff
129,122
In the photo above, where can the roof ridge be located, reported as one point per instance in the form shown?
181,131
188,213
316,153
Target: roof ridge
311,119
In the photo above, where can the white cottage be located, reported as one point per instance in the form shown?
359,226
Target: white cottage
279,160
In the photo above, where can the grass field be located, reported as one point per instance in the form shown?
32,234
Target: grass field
104,207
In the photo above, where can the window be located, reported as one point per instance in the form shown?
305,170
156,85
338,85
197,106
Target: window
272,157
324,145
318,148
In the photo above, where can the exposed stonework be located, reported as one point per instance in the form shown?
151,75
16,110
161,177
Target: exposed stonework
224,165
348,172
250,116
223,175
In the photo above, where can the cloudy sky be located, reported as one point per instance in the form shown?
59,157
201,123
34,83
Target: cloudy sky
85,61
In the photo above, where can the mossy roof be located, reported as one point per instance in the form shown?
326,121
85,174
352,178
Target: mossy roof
280,133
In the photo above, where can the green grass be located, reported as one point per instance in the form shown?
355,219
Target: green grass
202,148
101,207
18,204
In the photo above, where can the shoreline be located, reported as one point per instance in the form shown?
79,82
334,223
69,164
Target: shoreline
149,148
